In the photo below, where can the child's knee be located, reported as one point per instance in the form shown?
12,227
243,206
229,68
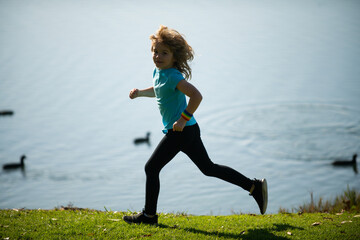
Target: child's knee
150,169
209,170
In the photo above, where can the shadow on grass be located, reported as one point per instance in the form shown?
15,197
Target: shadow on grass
257,233
285,227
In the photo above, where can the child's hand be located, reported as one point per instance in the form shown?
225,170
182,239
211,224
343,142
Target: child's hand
179,125
134,93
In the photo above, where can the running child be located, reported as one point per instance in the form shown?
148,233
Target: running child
171,55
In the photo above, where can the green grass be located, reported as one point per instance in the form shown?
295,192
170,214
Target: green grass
337,219
348,201
90,224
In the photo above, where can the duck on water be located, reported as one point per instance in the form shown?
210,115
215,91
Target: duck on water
143,140
6,113
15,165
345,162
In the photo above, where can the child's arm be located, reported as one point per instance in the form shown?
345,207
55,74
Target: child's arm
195,98
147,92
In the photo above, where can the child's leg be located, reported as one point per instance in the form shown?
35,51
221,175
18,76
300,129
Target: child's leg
197,153
163,154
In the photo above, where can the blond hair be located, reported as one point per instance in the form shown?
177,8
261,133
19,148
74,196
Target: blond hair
182,51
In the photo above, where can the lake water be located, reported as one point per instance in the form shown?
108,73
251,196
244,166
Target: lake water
281,88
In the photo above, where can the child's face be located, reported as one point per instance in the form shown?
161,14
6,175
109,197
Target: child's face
162,56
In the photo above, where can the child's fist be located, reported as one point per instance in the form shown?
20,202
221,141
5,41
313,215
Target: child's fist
134,93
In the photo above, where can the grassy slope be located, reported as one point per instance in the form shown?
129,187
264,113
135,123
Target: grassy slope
88,224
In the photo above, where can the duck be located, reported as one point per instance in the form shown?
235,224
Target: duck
6,113
15,165
142,140
345,162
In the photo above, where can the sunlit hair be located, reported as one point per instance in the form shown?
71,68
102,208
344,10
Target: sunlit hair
182,51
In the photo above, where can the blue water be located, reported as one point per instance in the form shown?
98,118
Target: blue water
281,92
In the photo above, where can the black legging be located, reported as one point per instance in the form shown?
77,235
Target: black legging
189,142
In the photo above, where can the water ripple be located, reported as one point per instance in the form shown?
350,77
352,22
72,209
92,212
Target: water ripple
303,131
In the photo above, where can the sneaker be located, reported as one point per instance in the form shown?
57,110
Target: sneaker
141,218
260,193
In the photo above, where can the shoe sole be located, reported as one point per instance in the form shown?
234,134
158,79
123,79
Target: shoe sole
265,195
138,223
129,222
